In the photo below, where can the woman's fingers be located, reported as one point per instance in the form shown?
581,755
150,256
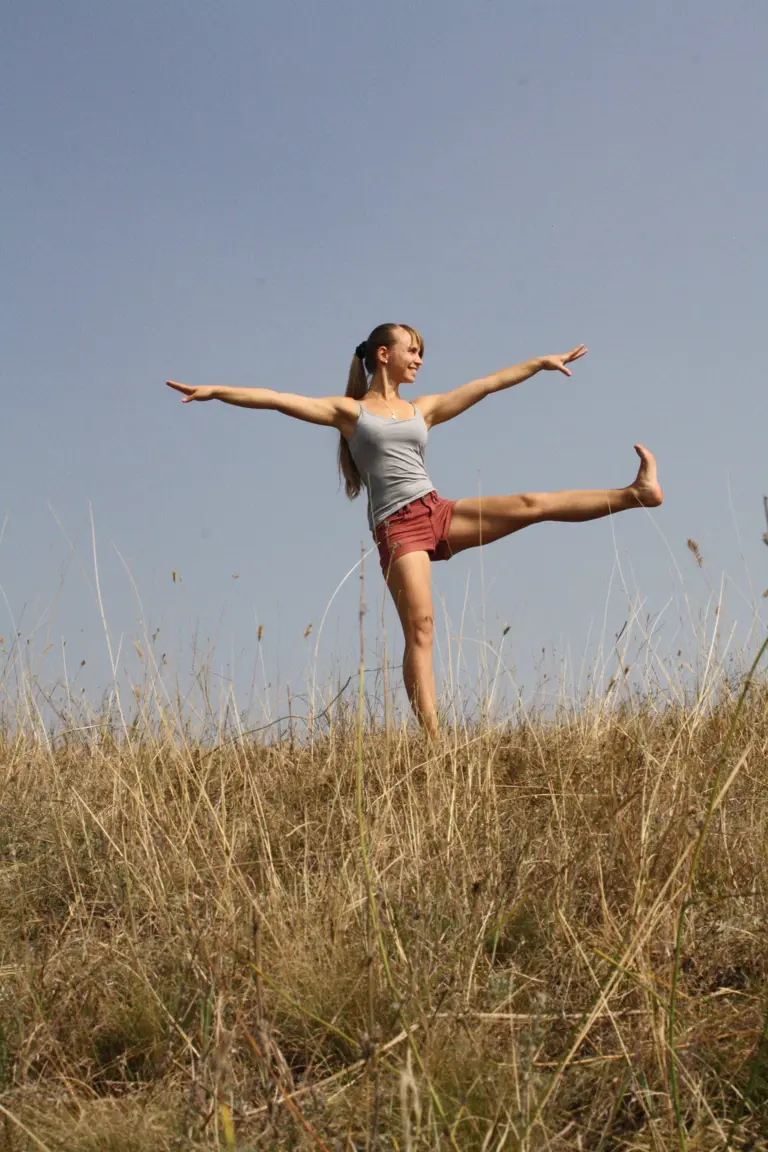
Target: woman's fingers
575,353
559,362
568,358
187,389
192,391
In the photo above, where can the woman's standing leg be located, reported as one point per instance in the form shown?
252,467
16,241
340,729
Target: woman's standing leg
410,581
482,520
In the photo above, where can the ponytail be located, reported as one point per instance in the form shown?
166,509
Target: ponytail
363,366
357,386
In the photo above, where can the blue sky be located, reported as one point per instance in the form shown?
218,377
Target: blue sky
237,193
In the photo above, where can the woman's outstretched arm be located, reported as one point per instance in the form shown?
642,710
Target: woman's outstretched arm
332,411
446,405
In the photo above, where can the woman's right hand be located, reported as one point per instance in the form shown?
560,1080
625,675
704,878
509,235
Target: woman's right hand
202,392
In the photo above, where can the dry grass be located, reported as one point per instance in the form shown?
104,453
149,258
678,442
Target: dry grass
371,942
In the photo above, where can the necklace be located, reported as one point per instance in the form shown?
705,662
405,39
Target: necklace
391,413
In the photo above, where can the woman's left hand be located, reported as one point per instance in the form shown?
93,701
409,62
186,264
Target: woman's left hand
558,363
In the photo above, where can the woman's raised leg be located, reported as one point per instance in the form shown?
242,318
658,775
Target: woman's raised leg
481,520
410,582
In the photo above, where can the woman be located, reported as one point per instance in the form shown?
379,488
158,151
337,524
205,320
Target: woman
381,448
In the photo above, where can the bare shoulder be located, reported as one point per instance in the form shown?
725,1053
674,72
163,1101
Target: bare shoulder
346,406
446,405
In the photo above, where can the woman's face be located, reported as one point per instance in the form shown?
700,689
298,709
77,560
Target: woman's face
403,358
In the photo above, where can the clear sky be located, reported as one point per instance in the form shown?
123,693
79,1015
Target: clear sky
237,193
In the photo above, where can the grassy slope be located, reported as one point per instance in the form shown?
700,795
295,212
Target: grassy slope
504,980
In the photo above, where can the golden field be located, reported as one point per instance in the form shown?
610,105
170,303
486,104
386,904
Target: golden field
548,933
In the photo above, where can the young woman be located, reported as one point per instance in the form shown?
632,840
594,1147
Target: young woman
381,449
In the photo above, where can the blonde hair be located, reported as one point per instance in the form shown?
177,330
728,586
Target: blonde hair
361,372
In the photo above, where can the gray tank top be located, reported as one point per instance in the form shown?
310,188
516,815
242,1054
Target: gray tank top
389,455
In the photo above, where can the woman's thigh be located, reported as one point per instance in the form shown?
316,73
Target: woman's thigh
410,582
483,519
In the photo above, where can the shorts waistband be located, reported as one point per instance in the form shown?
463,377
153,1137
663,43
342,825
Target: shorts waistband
401,513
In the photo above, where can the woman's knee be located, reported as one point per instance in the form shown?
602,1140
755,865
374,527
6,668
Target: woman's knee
420,631
532,505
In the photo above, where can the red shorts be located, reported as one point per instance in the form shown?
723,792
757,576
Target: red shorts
421,526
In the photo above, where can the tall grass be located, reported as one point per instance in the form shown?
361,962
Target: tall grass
542,932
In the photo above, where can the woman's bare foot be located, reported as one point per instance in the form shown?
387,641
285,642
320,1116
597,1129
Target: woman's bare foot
646,490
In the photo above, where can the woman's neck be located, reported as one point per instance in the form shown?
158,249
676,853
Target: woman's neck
382,386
